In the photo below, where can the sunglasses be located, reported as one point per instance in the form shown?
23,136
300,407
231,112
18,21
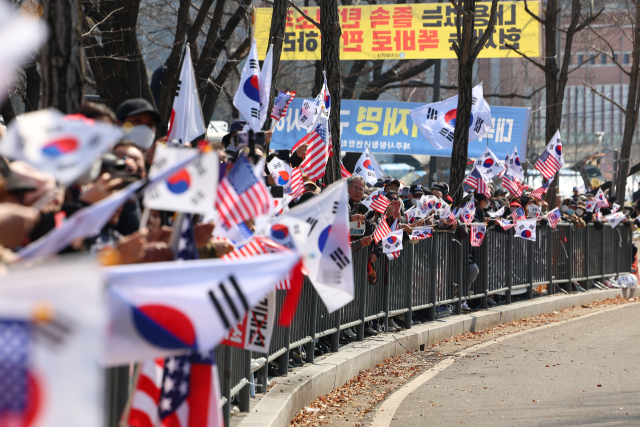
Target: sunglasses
393,199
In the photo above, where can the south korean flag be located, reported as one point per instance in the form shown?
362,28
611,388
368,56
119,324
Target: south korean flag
526,229
393,242
591,204
437,121
489,164
368,168
190,190
426,205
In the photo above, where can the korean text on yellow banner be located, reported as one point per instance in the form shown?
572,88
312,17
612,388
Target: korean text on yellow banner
406,31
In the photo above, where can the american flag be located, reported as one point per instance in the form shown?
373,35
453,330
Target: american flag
185,246
393,255
478,232
14,366
518,214
379,202
512,184
179,391
345,173
297,184
551,160
505,224
260,246
476,180
241,195
538,192
281,104
382,231
553,217
315,163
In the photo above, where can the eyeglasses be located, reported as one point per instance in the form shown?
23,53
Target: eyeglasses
393,199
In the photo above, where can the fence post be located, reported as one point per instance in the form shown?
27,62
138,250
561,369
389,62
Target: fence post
433,276
509,266
603,253
617,246
408,270
313,315
549,256
362,307
117,391
335,337
283,360
387,293
530,248
264,376
571,256
585,256
460,278
226,385
244,395
484,274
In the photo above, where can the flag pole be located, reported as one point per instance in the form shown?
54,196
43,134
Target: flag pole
145,218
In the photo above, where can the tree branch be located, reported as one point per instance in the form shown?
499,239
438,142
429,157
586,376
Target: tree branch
612,55
491,25
307,17
452,87
459,9
603,96
534,16
536,63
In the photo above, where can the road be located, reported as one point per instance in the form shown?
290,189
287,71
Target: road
583,372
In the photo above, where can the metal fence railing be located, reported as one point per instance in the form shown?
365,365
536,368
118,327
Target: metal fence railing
429,273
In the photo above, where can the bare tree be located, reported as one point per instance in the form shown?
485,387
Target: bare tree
625,22
556,74
467,47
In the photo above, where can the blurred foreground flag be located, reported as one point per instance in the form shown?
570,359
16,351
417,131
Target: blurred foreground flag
169,308
51,318
325,249
20,36
190,190
65,146
437,121
186,123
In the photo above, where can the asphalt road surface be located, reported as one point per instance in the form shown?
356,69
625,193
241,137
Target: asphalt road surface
579,373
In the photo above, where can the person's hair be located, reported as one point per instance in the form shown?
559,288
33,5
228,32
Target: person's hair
126,143
91,110
353,178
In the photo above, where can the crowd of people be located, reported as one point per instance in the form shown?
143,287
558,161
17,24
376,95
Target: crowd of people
32,203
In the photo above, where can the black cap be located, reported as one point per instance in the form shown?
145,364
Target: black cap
416,188
12,181
392,181
136,106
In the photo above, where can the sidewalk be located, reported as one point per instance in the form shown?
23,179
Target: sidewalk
280,405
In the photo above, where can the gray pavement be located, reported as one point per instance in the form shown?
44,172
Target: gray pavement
592,378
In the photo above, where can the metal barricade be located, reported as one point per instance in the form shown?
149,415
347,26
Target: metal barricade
428,273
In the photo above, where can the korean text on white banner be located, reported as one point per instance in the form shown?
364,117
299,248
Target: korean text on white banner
51,320
165,309
254,331
64,146
190,190
325,250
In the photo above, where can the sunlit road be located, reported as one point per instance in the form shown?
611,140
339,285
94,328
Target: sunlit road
584,372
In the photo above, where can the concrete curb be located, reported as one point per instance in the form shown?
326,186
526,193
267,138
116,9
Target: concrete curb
281,404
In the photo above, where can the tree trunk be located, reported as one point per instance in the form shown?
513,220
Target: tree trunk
32,95
459,153
116,62
61,57
276,36
630,116
331,33
174,62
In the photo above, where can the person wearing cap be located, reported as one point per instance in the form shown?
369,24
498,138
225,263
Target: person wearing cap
415,193
139,119
576,194
392,185
404,193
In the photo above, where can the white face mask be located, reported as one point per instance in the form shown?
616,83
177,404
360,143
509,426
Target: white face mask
142,135
414,202
579,212
564,208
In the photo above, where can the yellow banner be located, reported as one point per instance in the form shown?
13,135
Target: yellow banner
405,31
